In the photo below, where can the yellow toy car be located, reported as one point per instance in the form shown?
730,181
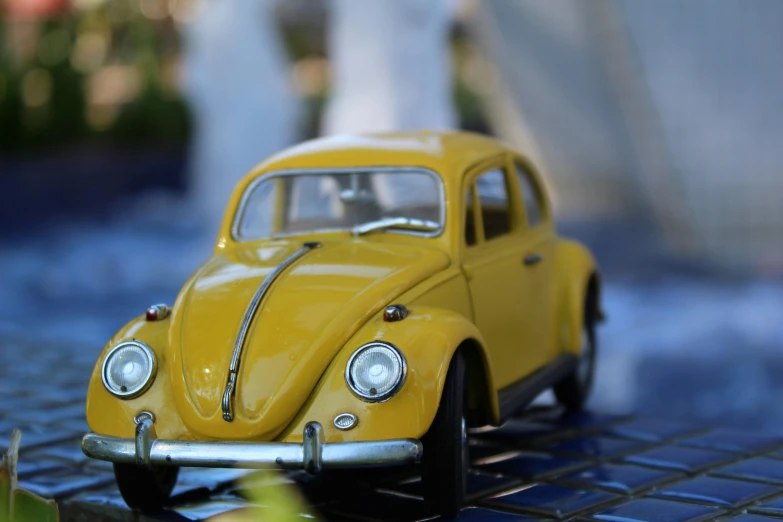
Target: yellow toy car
369,299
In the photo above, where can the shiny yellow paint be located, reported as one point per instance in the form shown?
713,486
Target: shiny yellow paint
509,319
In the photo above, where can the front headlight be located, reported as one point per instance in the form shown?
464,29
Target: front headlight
376,371
129,369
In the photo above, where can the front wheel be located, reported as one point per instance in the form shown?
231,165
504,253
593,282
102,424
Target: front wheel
145,489
573,390
445,459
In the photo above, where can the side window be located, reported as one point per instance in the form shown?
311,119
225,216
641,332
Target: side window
470,219
531,197
493,197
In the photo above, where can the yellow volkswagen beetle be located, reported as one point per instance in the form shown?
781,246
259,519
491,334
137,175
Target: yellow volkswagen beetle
369,298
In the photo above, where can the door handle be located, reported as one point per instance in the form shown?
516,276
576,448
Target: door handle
532,259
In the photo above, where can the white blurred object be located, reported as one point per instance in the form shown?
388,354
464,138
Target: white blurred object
668,109
713,74
390,66
547,76
244,106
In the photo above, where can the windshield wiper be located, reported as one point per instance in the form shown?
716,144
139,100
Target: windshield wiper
422,225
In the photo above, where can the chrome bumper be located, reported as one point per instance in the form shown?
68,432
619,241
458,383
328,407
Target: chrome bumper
312,455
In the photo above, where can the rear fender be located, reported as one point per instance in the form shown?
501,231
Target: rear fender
576,268
428,338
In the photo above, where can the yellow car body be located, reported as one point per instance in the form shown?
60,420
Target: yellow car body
513,304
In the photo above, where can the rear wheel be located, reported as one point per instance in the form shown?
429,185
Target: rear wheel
145,489
445,460
572,392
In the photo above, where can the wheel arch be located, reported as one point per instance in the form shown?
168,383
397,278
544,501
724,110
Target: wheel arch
579,293
428,338
482,398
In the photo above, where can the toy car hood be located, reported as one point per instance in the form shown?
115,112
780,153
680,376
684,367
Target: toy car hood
308,314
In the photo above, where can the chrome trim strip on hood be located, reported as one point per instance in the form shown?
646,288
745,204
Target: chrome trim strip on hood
233,369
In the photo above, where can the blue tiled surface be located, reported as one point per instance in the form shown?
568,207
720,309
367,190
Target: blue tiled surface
521,433
717,491
624,479
654,510
533,466
689,460
749,517
476,514
585,420
769,507
776,454
480,484
576,467
653,430
552,500
758,468
598,447
739,442
376,506
591,467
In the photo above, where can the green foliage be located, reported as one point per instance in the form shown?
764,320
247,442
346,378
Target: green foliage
16,504
5,495
28,507
57,93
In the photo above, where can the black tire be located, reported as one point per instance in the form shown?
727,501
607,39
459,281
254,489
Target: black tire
445,459
144,489
573,391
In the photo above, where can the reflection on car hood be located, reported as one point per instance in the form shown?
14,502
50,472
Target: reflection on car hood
307,315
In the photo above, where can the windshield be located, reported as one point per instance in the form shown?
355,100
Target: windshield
406,200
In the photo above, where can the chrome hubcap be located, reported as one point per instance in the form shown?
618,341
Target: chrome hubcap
465,453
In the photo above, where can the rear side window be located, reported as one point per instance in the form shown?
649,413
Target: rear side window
494,200
531,196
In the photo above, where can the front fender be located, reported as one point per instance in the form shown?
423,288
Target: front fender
110,415
428,338
575,266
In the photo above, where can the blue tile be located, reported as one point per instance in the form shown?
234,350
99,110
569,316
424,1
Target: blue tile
595,447
28,468
758,468
478,485
583,420
652,430
551,500
770,507
533,466
776,454
65,482
626,479
655,510
519,431
738,442
716,491
690,460
206,510
475,514
376,506
72,453
752,518
485,453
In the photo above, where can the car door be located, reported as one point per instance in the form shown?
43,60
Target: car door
492,261
538,295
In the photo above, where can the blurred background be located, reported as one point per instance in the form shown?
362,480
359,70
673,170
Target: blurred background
124,125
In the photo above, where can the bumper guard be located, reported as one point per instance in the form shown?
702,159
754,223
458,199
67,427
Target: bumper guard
312,455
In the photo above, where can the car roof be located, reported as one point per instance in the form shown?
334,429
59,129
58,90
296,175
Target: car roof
449,153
